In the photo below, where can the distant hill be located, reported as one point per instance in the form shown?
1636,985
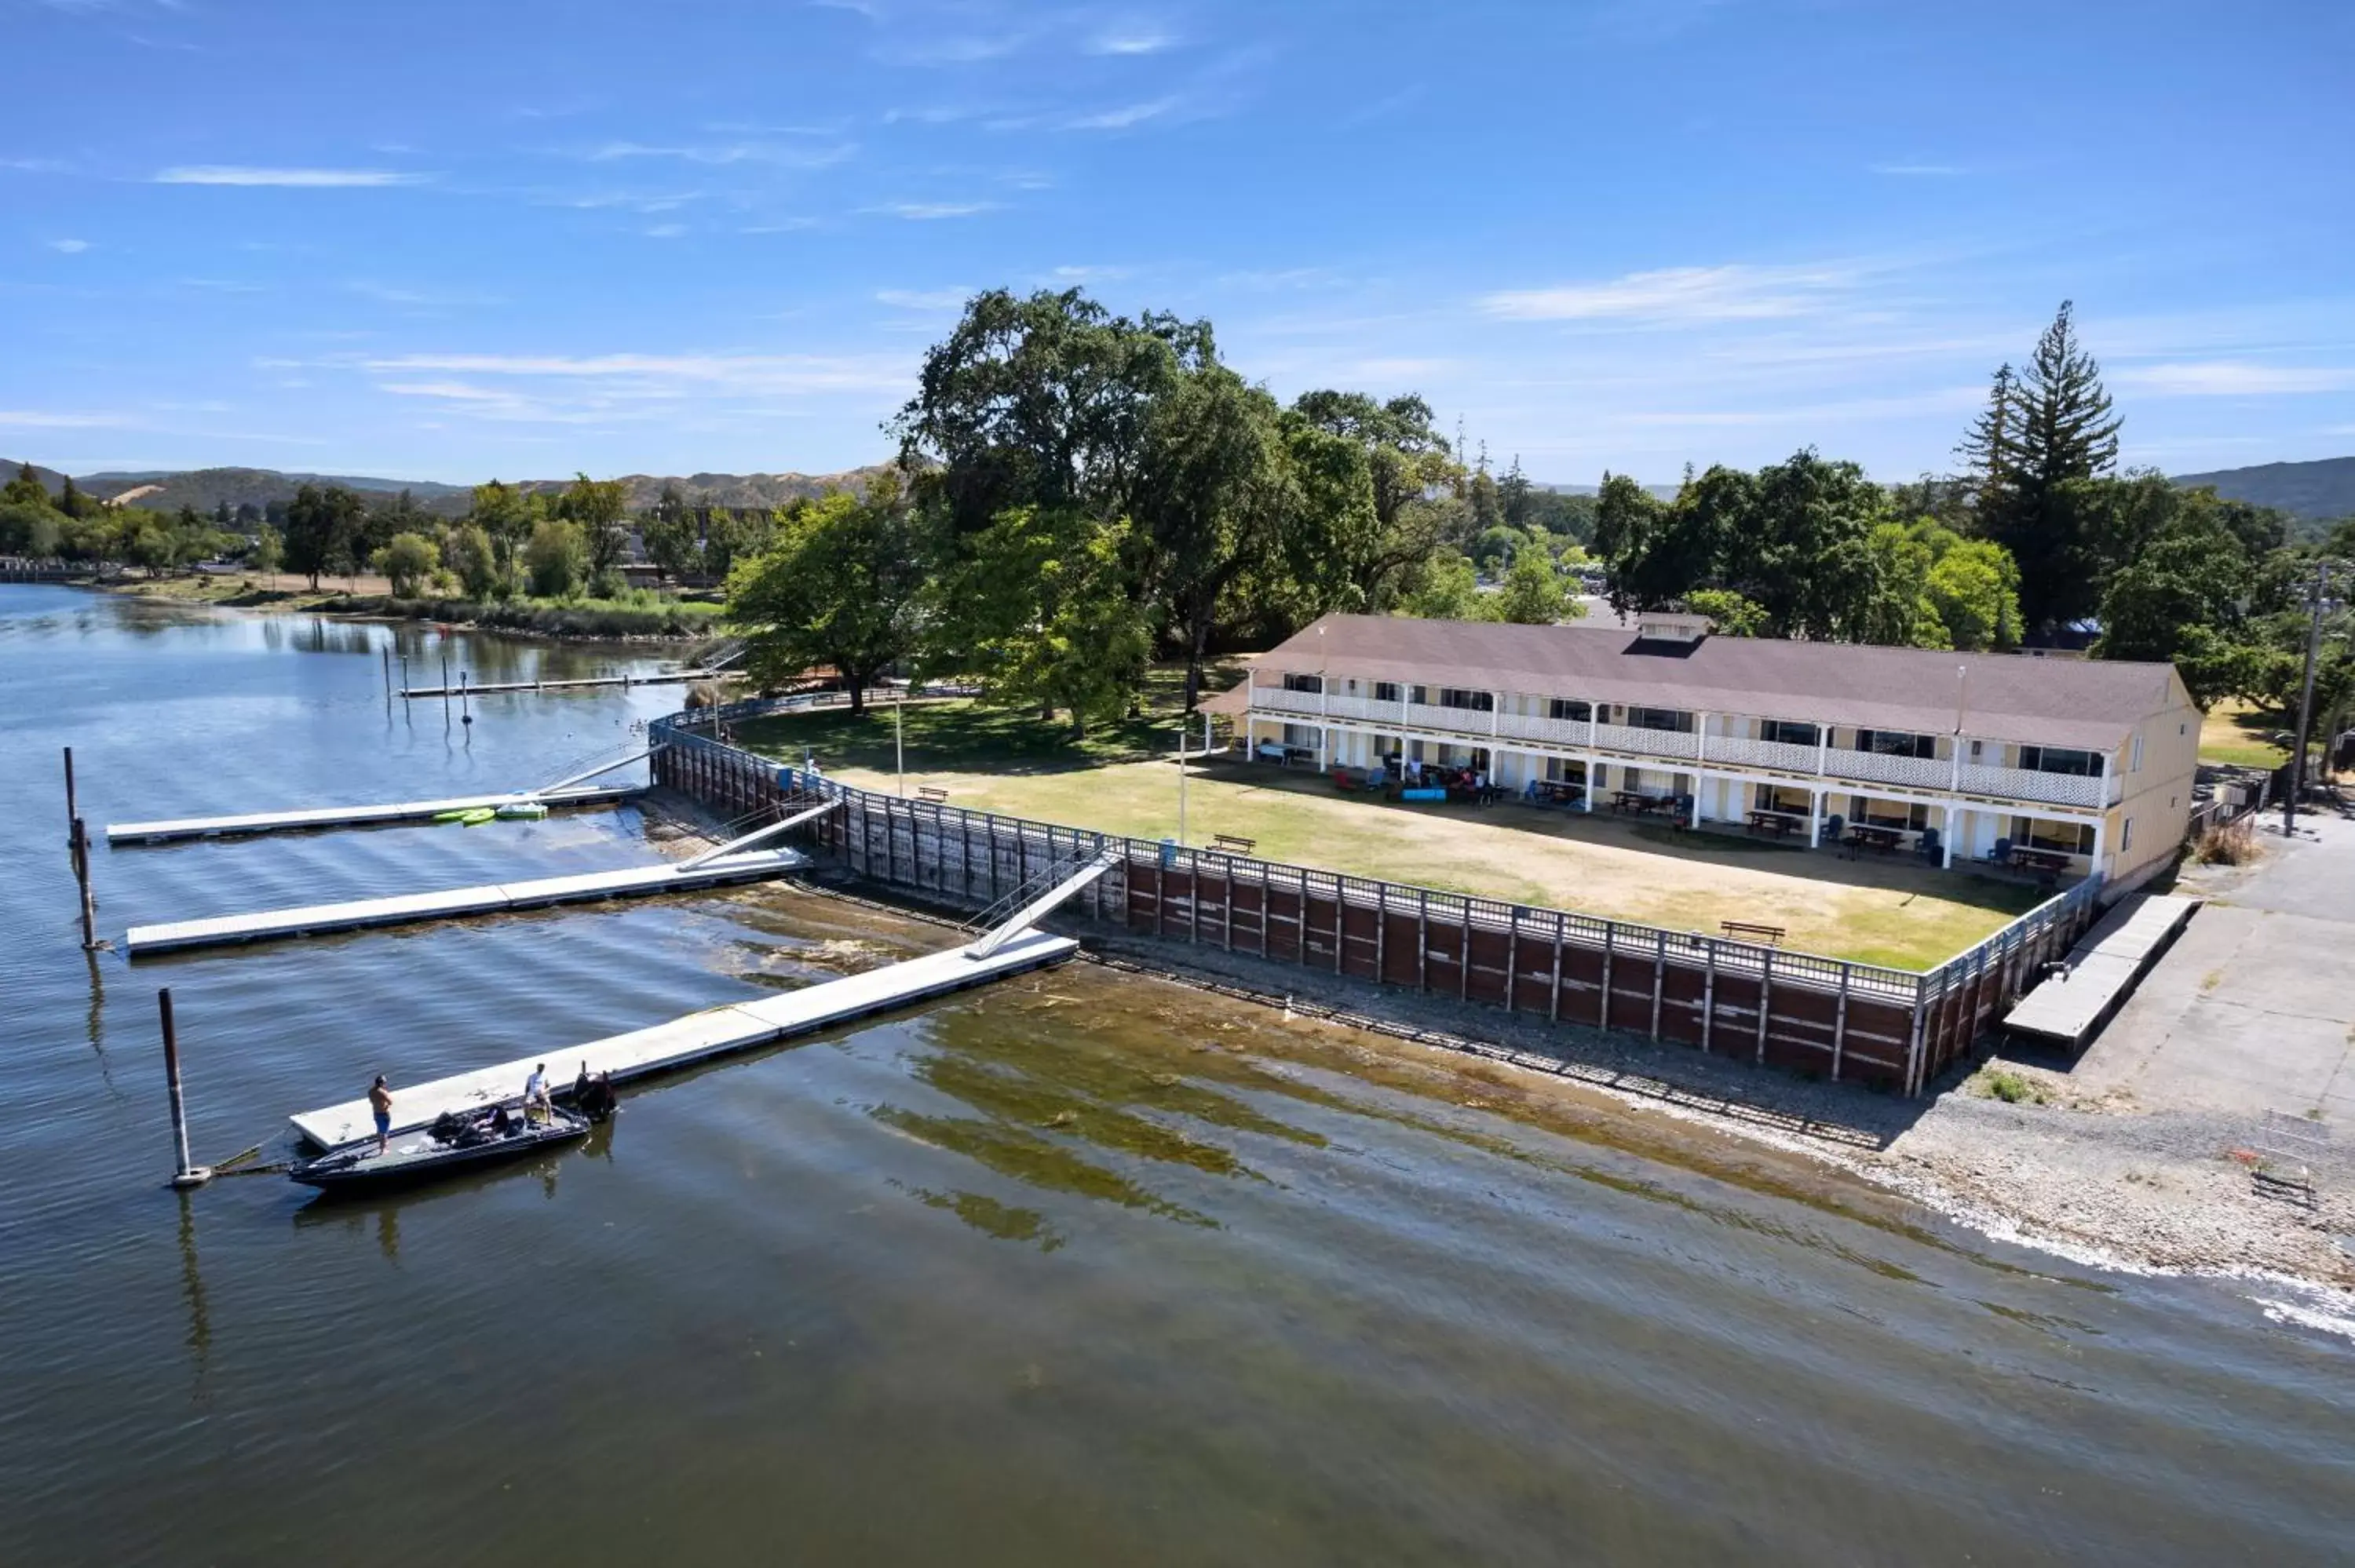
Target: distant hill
55,482
2318,491
206,488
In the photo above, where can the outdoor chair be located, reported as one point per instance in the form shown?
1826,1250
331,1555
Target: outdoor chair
2001,854
1834,825
1928,848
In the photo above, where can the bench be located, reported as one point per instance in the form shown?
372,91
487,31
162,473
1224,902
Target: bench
1233,844
1770,934
931,792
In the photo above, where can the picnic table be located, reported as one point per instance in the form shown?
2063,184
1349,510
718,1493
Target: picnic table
2048,860
1558,791
1864,835
1782,824
1636,801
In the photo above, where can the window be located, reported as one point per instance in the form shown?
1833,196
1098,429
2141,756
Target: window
1304,683
1788,733
2125,839
1473,701
1566,708
1889,813
1896,743
2059,759
2134,763
1386,691
2067,838
1660,719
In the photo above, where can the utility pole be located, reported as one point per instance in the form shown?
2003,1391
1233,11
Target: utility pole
899,741
1181,778
2306,698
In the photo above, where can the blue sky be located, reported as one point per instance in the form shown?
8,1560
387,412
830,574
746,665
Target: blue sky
451,240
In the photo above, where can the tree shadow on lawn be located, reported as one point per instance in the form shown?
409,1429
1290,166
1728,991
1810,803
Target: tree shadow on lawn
957,737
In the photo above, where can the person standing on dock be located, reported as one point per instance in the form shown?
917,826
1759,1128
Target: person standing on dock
380,1102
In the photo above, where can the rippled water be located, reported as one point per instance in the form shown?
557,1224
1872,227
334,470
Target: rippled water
1083,1269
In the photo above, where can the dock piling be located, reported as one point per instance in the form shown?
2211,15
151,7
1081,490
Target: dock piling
72,811
184,1175
445,685
82,877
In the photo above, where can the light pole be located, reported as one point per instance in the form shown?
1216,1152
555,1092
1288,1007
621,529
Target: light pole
900,740
1181,778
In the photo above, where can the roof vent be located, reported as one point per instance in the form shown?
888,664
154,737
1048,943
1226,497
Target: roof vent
1660,627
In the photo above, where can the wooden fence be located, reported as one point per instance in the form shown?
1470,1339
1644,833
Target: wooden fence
1892,1027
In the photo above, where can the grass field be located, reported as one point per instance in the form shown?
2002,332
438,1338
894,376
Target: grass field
2238,736
1883,911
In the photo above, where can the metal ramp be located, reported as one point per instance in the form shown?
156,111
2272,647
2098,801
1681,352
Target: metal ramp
1029,914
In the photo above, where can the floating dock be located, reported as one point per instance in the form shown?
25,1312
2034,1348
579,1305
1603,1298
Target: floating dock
2071,1007
493,688
407,908
714,1032
357,816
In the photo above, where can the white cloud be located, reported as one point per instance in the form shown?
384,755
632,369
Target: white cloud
926,211
1135,41
1680,295
70,246
924,299
665,231
2232,378
647,373
1916,171
241,174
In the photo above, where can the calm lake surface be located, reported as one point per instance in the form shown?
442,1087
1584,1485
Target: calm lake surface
1084,1269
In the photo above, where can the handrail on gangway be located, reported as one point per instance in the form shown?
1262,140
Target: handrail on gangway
1037,908
772,830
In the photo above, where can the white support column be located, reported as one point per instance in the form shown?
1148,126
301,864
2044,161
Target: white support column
2100,824
1815,818
1953,812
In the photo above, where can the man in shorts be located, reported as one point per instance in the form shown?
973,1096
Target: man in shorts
380,1102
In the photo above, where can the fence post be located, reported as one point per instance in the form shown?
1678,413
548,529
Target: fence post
1839,1021
1227,907
1659,975
1300,932
1913,1044
1422,939
1610,944
1340,923
1765,998
1381,932
1554,994
1708,996
1512,957
1464,951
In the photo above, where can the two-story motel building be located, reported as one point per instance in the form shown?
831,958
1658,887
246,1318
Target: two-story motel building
2089,759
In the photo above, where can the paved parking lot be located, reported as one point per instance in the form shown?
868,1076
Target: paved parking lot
2254,1007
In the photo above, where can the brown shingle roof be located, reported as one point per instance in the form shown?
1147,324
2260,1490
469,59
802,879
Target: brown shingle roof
2092,703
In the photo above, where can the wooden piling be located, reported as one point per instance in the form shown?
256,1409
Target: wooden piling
184,1174
73,811
82,879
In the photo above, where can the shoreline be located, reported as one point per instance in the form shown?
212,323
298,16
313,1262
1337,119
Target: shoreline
336,604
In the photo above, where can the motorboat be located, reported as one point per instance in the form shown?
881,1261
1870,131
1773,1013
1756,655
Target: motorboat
454,1141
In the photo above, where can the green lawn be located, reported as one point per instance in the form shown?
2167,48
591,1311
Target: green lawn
1121,781
2235,735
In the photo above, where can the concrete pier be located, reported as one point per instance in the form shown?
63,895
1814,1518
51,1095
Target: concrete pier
408,908
714,1032
382,815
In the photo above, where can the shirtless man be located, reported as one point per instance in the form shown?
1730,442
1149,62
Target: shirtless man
380,1102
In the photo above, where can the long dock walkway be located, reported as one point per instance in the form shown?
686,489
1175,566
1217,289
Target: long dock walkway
493,688
2071,1007
382,815
407,908
714,1032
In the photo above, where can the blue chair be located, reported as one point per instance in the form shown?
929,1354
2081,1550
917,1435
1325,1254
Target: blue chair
2001,854
1928,848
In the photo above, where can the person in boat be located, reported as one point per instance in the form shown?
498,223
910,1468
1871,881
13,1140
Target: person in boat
596,1101
380,1102
501,1123
535,1093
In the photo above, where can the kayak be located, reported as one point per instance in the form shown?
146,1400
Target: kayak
477,816
455,1141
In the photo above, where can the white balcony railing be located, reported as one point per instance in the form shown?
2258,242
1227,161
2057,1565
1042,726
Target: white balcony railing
2025,784
1925,773
1647,742
1779,754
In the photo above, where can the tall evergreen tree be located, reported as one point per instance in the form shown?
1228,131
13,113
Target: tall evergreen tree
2044,434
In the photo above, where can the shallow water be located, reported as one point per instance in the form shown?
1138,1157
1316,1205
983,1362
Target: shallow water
1081,1270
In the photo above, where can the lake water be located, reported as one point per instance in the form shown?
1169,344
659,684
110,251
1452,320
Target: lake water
1083,1269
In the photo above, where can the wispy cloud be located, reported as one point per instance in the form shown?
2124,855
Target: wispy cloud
46,419
1917,171
972,48
665,231
777,373
429,299
777,154
69,247
34,165
924,299
1122,117
1680,295
312,179
2233,378
1130,41
928,211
